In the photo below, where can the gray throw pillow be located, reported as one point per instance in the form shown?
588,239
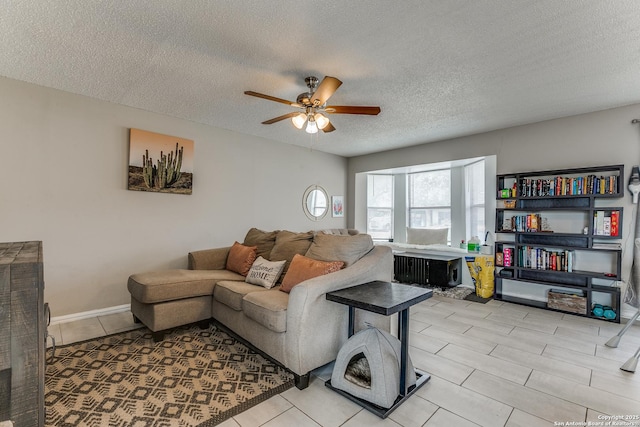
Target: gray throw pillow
264,240
348,249
288,244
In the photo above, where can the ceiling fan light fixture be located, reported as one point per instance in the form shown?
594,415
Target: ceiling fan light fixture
298,120
312,127
320,120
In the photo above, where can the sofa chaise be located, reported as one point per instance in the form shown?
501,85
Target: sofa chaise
287,318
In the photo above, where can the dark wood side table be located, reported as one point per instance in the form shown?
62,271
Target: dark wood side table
385,298
22,334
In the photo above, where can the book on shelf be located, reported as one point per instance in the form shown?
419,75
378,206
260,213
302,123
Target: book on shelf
507,257
615,223
598,223
606,226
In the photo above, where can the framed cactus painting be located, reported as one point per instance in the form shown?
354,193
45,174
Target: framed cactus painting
160,163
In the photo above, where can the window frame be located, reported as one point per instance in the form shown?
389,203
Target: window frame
469,205
390,208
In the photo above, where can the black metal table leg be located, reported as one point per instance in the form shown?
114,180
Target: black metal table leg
403,335
352,319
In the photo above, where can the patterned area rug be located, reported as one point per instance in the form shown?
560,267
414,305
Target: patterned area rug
195,377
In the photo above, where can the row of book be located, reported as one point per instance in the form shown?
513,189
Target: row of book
529,223
568,186
537,258
606,223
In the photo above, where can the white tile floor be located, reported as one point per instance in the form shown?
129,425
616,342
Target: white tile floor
494,364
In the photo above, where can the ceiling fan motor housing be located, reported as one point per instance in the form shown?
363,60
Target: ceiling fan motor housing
305,98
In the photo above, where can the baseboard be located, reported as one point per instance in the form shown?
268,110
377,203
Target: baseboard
89,314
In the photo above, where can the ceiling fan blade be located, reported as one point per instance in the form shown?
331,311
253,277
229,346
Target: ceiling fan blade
280,118
352,109
328,128
272,98
327,87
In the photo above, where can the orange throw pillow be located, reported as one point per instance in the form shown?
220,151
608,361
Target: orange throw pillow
241,258
303,268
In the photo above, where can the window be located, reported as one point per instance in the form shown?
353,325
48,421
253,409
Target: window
474,184
440,195
380,206
430,199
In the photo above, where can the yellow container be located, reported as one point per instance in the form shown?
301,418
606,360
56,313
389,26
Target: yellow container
481,268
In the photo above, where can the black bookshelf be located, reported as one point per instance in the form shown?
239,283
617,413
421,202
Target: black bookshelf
540,255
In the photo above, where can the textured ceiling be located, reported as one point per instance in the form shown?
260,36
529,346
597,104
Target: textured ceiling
438,69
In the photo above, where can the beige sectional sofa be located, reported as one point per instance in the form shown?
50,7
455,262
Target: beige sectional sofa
300,329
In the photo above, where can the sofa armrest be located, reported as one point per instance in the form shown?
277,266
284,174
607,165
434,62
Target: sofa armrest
316,327
209,259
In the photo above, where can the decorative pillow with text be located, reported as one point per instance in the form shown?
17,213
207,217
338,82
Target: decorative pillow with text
265,273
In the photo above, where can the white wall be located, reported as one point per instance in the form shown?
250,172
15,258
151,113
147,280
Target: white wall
64,165
601,138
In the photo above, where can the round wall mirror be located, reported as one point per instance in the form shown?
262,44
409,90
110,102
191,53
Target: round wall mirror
315,202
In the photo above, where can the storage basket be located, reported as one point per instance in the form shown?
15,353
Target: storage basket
564,301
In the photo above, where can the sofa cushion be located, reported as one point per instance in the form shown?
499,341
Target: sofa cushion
288,244
340,231
265,273
168,285
230,293
241,258
303,268
349,249
267,308
264,240
427,236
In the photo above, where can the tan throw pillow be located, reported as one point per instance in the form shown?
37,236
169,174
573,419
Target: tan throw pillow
264,240
241,258
288,244
330,247
303,268
265,273
427,236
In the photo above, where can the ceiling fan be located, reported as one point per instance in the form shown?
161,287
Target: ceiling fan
313,106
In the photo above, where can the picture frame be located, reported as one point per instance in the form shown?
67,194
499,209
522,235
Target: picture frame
160,163
337,206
